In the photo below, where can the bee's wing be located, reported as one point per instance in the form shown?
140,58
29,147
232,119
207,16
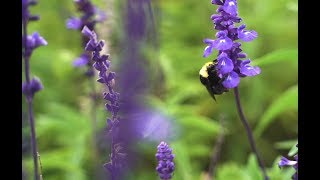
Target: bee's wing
206,82
209,88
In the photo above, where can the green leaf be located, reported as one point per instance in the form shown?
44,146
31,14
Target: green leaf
253,168
200,151
293,150
286,144
275,173
182,161
200,124
286,101
230,171
57,160
276,57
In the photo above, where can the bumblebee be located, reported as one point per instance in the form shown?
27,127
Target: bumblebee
210,79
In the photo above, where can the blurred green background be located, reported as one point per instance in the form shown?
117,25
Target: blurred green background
62,108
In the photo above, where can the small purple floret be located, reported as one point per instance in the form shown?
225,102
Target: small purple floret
286,162
30,89
82,60
74,23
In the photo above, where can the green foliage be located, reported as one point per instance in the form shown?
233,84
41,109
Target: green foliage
183,162
64,148
251,171
286,101
286,144
231,171
293,150
276,57
289,144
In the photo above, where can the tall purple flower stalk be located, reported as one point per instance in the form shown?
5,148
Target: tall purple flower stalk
225,71
286,162
30,86
91,15
106,77
165,158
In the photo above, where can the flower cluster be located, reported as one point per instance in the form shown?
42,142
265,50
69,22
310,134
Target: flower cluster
165,157
286,162
102,64
29,44
32,42
90,16
229,68
29,89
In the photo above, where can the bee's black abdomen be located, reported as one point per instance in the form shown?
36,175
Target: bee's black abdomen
203,80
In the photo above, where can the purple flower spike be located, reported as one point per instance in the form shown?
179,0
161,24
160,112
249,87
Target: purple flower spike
74,23
230,6
106,77
248,70
232,80
227,69
165,157
225,64
224,72
245,35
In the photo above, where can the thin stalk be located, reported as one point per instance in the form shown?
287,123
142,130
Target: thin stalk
113,174
216,152
33,140
113,152
249,133
40,165
29,102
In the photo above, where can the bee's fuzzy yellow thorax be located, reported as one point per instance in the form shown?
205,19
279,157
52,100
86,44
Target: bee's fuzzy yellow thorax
203,71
